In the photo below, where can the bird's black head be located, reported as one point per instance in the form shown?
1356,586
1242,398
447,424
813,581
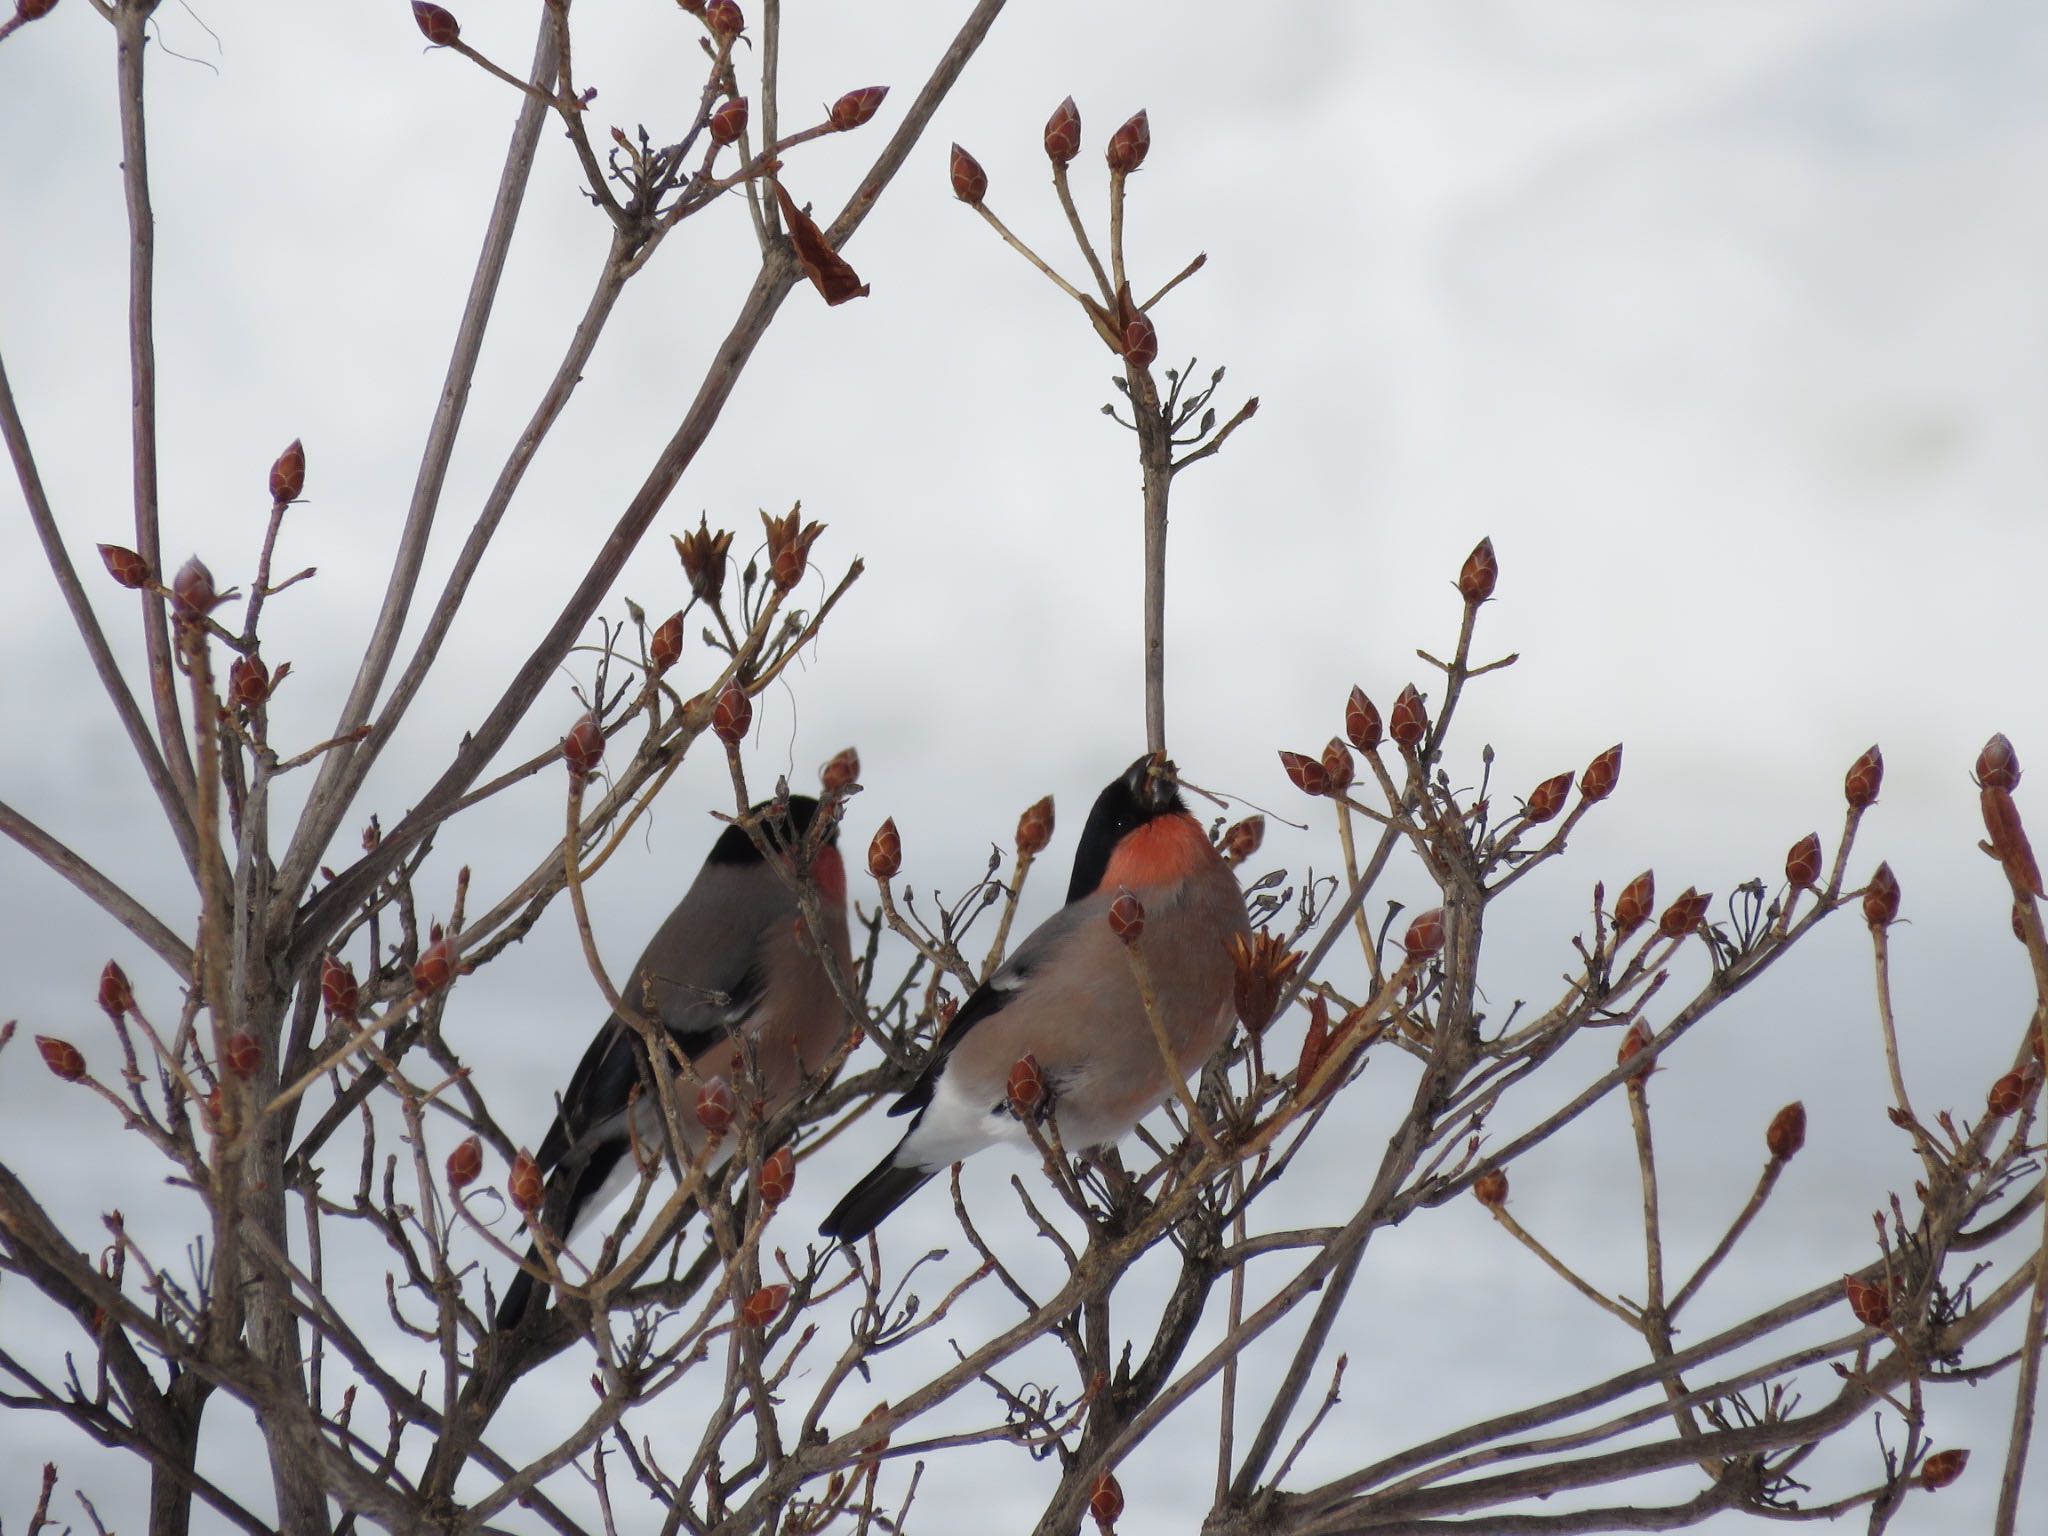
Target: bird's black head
1148,789
734,846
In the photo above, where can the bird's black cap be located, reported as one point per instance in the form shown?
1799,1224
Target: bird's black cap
1146,790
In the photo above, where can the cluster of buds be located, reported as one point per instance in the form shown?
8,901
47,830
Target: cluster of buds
1264,965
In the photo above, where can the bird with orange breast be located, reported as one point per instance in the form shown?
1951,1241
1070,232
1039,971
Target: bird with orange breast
739,985
1069,999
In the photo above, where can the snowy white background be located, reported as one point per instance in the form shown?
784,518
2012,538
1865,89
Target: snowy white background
1724,318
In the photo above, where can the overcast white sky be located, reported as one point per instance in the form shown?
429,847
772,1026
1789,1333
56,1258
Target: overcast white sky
1724,318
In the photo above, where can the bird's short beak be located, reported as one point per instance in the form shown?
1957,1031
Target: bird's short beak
1155,781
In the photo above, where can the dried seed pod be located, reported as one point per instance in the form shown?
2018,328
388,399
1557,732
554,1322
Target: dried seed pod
1943,1468
1307,774
1998,766
436,25
789,546
1601,775
338,990
1127,917
1141,342
970,181
1063,133
1491,1188
665,648
524,1185
764,1306
715,1107
885,852
583,748
1684,915
1480,573
1409,722
435,967
465,1163
1870,1303
1106,1502
729,121
1034,828
1786,1133
1130,144
1881,898
1865,777
1361,721
1263,966
62,1058
1241,839
1339,765
1802,863
731,715
778,1177
1315,1043
1632,908
857,106
1026,1090
1425,935
242,1055
1547,799
125,566
703,554
841,771
288,474
116,995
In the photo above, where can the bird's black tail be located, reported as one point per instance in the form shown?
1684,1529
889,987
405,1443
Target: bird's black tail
519,1294
870,1201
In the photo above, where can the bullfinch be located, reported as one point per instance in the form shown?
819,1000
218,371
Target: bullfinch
734,960
1068,998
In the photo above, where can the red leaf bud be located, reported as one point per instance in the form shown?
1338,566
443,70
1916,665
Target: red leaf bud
1409,722
524,1185
583,748
856,107
729,121
1943,1468
970,181
1361,721
885,853
1106,1501
1881,898
715,1107
435,967
1870,1303
2010,1093
1683,915
841,770
1307,774
1480,573
62,1057
1339,766
1601,775
1786,1133
1425,935
731,716
1998,766
1491,1188
243,1054
248,681
764,1306
34,10
1315,1043
1802,863
288,474
1241,839
665,649
465,1163
1632,907
1633,1044
1547,799
1864,779
1127,917
1141,342
723,17
435,24
125,566
1026,1090
1034,828
789,546
116,995
1129,145
778,1177
1063,133
338,990
192,590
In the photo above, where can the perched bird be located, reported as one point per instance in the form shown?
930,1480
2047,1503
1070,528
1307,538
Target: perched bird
1067,998
734,960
